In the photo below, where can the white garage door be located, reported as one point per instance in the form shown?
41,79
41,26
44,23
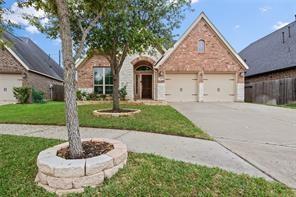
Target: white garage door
7,83
181,87
219,87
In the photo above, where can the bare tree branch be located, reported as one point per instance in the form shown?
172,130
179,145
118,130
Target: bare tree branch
85,33
123,56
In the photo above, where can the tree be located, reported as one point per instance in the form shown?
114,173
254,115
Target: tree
62,17
134,26
1,17
4,25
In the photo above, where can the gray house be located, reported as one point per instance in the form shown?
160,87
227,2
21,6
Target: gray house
23,63
271,77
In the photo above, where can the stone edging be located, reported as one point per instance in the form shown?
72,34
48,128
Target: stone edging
56,174
99,113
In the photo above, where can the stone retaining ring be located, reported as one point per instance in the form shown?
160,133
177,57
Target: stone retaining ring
62,176
101,113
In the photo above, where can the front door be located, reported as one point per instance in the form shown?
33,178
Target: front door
146,86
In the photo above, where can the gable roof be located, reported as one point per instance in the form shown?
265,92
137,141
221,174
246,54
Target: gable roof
193,25
32,57
270,53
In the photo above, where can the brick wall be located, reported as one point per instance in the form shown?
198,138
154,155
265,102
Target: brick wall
289,73
8,64
41,83
217,57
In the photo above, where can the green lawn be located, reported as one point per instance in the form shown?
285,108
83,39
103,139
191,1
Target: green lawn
144,175
292,106
159,119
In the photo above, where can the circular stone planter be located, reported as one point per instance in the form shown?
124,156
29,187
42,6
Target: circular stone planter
56,174
103,113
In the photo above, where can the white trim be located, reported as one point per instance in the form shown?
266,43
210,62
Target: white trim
79,61
25,65
193,25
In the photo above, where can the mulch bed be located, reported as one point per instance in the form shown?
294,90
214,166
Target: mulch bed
90,149
120,111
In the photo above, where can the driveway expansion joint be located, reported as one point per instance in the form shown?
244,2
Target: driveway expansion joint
255,142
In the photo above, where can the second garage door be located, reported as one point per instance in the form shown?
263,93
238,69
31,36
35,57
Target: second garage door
181,87
7,83
219,87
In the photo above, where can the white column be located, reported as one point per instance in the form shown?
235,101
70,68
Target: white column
160,91
240,92
200,92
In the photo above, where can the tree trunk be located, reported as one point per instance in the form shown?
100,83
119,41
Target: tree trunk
75,145
115,75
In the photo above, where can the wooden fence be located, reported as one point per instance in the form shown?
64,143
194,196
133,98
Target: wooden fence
58,93
275,92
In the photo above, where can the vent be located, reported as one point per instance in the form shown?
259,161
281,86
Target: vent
283,37
289,31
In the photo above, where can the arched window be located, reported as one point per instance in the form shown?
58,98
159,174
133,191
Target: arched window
201,46
143,68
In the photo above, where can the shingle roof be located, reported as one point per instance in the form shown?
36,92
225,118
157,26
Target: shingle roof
270,53
33,56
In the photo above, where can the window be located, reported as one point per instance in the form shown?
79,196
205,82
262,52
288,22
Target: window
201,46
143,68
103,81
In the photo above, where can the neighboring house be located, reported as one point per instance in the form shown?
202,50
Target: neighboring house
272,61
201,66
23,63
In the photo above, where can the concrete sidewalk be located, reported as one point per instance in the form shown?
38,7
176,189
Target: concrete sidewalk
191,150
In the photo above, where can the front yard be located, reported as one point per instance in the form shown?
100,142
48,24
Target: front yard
144,175
158,119
292,105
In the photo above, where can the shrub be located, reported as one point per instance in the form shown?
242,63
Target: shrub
37,96
123,92
103,97
79,95
92,96
22,94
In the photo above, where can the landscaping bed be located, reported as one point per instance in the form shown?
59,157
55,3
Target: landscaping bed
144,175
158,119
63,176
90,149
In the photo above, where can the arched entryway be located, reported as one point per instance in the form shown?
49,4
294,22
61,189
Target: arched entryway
143,80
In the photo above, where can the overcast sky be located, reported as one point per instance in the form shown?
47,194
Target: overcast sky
240,21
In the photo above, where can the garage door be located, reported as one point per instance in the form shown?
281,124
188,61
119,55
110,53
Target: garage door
219,87
7,82
181,87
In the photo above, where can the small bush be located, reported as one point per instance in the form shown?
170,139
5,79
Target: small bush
37,96
93,96
103,97
123,93
22,94
81,95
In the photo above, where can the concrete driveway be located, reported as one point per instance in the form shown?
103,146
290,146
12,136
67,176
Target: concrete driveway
264,136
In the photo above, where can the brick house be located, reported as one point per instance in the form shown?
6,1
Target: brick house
201,66
272,60
23,63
